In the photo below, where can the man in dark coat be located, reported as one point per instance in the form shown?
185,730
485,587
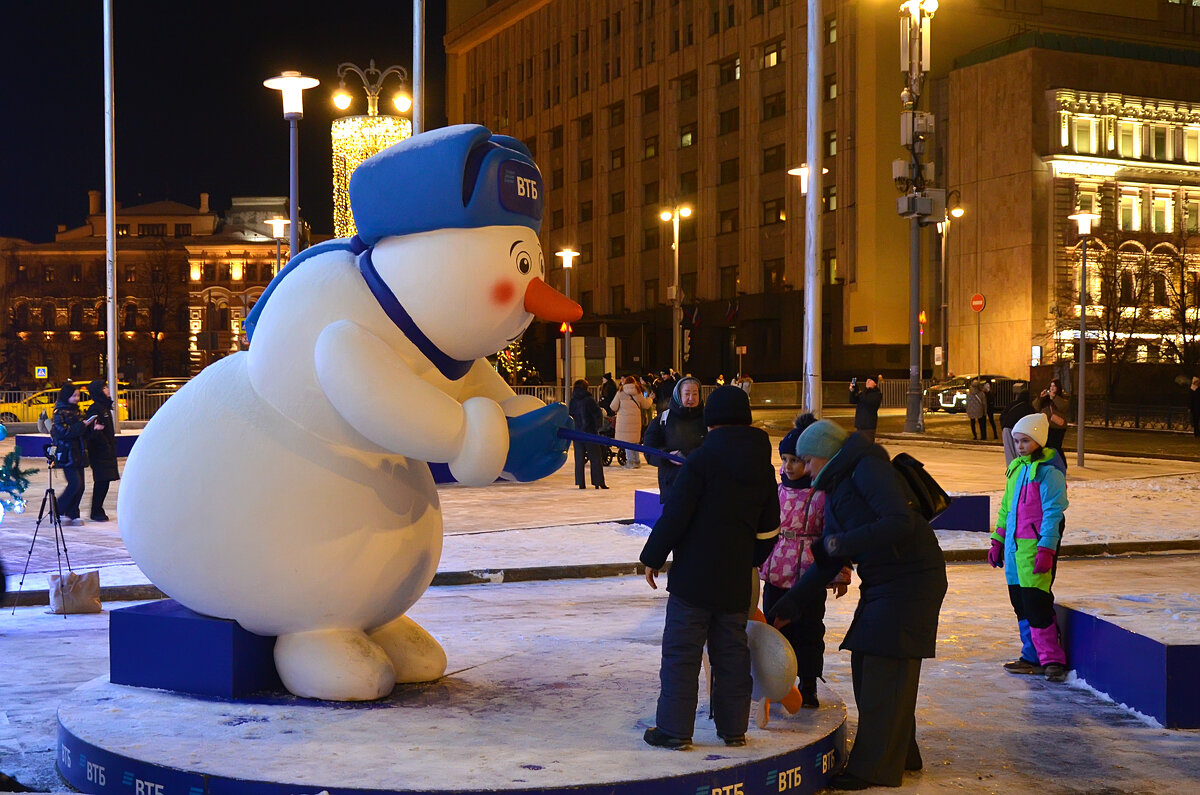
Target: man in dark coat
866,408
587,416
678,429
101,446
1020,407
902,576
608,391
720,523
68,431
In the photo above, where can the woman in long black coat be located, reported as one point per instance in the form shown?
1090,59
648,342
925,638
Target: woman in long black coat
902,581
101,447
69,432
587,416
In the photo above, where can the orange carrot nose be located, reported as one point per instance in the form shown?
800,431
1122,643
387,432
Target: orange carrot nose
546,303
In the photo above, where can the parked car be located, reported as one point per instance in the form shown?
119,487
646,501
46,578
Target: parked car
951,395
30,408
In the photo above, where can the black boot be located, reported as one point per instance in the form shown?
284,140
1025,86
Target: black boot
808,693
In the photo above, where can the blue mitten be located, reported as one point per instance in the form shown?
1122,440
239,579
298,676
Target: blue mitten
534,449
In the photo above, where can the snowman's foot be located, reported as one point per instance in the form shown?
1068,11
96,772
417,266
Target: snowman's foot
415,655
333,664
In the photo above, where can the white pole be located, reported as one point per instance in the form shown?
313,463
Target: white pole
812,216
1082,348
677,308
418,72
294,180
110,213
567,343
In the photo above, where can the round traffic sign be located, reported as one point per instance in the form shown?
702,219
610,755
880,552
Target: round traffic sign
977,302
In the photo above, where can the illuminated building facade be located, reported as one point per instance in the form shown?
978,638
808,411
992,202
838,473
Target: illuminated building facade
631,105
186,278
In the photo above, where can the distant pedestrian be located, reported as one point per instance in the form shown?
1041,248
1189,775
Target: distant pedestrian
1054,403
976,408
1020,407
68,432
664,386
1194,405
1025,544
588,418
866,407
745,383
720,379
628,406
101,446
989,407
720,522
608,391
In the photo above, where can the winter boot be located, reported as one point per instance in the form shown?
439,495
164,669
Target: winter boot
808,693
1023,666
660,739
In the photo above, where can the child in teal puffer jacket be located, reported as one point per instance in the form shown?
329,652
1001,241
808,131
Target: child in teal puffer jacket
1025,543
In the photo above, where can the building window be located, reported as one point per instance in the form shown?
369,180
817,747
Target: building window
48,274
728,121
687,86
687,286
831,143
1085,135
650,192
585,254
773,211
1161,214
728,221
76,272
616,114
1160,142
130,321
131,273
585,126
1131,212
617,158
729,281
183,230
585,211
829,265
774,105
1191,215
773,158
616,246
556,178
830,86
49,320
616,202
122,230
729,71
585,168
687,135
152,230
556,219
830,198
616,298
1191,145
650,238
650,147
773,275
687,183
650,99
772,55
650,293
831,30
75,317
556,138
729,171
1129,139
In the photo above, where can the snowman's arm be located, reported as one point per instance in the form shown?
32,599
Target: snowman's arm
380,395
484,381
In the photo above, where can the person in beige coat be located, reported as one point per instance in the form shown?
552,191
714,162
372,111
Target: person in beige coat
628,406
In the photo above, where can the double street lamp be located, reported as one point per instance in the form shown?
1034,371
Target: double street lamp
292,86
1084,220
673,215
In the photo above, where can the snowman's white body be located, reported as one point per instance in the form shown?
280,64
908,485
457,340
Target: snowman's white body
286,487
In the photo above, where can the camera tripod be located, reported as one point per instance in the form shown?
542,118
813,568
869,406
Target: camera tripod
49,510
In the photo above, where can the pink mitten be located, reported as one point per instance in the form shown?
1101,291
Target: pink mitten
1044,561
996,554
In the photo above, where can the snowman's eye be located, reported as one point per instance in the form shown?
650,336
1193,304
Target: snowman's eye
523,262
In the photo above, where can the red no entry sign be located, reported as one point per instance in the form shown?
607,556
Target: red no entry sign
977,302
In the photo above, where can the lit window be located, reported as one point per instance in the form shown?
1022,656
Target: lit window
772,55
1131,212
1085,135
1160,142
1129,139
687,135
1160,214
1191,145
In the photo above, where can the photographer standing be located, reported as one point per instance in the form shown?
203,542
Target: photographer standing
101,446
866,406
68,432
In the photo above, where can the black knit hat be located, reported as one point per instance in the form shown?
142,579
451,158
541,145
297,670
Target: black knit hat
727,405
64,394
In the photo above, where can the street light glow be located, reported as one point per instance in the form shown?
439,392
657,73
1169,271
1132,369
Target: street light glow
665,215
685,211
402,102
342,99
958,212
292,85
567,255
278,225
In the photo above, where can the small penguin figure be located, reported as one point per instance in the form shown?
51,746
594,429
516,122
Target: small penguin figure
287,487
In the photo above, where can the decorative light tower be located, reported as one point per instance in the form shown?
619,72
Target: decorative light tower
292,86
673,215
1084,220
355,138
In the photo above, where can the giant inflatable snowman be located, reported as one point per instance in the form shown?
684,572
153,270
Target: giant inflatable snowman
287,486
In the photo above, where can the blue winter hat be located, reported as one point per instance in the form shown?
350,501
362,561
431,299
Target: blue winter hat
788,444
459,177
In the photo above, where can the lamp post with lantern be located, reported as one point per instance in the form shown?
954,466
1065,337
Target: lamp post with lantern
673,215
292,85
568,257
1083,220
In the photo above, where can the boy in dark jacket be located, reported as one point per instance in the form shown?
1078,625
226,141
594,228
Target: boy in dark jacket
719,522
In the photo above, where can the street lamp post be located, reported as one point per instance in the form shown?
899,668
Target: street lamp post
277,226
372,80
1084,220
812,287
568,256
292,86
673,215
952,210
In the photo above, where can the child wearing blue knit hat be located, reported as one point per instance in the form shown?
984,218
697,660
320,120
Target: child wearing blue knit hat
802,520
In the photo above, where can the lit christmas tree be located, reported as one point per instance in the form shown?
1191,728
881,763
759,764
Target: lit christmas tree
511,362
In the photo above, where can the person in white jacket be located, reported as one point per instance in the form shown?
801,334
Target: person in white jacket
627,406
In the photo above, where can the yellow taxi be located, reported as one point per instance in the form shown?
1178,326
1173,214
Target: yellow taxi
29,409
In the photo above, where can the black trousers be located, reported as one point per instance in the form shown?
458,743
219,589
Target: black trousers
1054,440
99,493
68,500
885,689
806,634
593,452
688,627
982,428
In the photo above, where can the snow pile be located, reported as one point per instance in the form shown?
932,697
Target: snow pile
1078,683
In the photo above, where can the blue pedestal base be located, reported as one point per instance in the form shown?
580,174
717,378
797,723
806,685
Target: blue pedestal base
162,644
646,507
33,445
968,512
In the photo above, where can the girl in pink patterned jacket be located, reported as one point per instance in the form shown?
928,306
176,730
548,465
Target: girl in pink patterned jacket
802,519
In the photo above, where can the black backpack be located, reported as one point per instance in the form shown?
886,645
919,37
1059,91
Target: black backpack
925,495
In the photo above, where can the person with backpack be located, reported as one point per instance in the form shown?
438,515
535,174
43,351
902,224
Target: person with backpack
870,523
678,429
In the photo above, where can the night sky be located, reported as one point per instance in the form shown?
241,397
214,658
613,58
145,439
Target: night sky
192,114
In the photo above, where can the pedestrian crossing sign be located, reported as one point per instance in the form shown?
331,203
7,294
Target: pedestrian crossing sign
41,371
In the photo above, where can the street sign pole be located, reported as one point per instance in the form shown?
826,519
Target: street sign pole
978,302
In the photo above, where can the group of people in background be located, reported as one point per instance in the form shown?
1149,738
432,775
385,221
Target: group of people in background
81,441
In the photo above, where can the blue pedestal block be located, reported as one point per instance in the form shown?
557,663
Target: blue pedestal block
164,645
1155,678
646,507
968,512
33,445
